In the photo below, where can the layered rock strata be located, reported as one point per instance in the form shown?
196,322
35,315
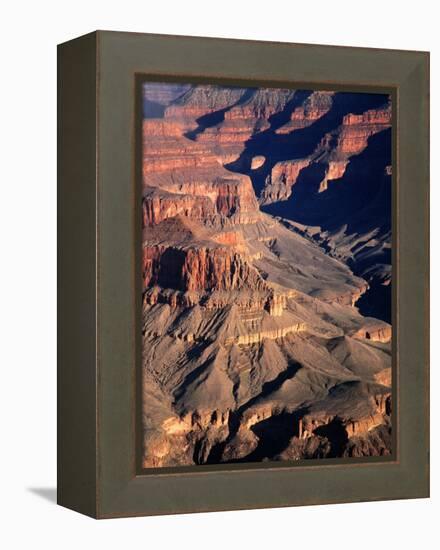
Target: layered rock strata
253,345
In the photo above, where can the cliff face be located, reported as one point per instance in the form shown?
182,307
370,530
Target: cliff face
159,205
351,138
224,200
312,109
227,129
197,269
253,344
335,148
281,180
356,129
182,176
203,100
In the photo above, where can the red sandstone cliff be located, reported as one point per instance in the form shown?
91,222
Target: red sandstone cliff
281,180
198,269
314,107
351,139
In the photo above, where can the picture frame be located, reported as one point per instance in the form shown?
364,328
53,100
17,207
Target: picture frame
99,305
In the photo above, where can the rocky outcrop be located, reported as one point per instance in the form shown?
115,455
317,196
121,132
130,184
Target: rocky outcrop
257,162
186,440
197,269
375,331
312,109
347,297
247,117
224,203
355,418
356,129
159,205
308,426
276,304
334,150
334,170
261,105
258,336
279,183
184,177
202,100
351,138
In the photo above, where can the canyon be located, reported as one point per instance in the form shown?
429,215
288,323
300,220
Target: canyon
266,272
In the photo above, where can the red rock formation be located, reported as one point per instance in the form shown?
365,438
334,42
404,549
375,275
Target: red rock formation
334,170
261,105
158,205
160,129
188,176
217,269
244,119
282,178
202,201
356,129
232,238
164,152
314,107
202,100
351,139
197,269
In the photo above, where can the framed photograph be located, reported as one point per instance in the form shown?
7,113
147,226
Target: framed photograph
243,274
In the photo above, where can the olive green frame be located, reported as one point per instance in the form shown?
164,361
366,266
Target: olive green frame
98,225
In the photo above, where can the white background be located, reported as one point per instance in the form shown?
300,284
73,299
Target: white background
29,34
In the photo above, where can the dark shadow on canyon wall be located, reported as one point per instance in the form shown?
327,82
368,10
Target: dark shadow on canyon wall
298,143
361,199
336,435
274,434
376,302
212,119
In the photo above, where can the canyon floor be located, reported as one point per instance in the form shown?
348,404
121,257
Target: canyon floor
266,275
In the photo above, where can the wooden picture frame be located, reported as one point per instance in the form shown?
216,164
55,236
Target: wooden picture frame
99,472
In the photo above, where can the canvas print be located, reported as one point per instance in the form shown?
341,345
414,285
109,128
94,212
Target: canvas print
266,273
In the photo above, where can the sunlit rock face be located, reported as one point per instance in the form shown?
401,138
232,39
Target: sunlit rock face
312,109
279,183
266,237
